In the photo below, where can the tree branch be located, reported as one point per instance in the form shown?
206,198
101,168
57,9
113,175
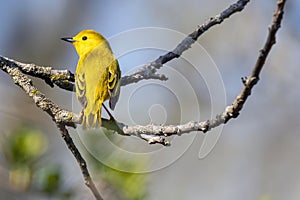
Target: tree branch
148,71
80,160
57,114
61,117
62,78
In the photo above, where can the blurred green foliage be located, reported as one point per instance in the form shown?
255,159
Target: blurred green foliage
24,146
125,185
130,186
265,197
48,180
22,149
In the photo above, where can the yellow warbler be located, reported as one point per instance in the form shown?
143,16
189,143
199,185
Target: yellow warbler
97,76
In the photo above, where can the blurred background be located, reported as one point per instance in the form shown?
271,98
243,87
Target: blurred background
256,155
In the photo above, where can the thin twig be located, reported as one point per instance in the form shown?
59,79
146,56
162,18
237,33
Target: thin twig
80,160
148,71
233,110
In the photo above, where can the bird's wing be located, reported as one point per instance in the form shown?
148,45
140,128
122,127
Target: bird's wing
80,88
114,75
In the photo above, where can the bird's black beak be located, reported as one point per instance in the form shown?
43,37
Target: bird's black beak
68,39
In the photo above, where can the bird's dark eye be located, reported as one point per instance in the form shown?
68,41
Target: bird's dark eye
84,38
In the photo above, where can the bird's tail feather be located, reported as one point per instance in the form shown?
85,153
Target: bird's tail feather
91,120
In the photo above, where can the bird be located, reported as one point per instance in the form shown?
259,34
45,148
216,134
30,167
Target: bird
97,76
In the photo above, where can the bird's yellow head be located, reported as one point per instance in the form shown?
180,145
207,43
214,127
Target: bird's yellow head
86,40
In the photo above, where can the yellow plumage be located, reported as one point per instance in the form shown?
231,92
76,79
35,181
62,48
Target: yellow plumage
97,76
